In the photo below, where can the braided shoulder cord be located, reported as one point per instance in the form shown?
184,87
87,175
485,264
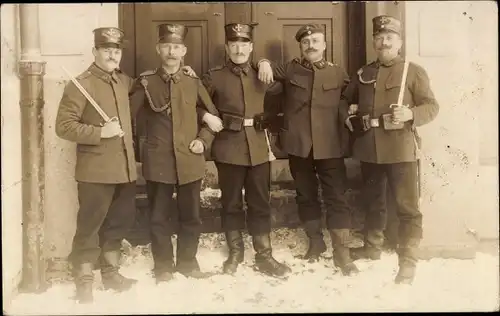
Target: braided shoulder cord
144,83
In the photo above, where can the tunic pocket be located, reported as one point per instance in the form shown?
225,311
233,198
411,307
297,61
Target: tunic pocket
330,96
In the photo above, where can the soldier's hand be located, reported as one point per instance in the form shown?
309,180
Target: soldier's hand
213,122
265,72
111,129
189,71
349,125
196,146
353,109
401,114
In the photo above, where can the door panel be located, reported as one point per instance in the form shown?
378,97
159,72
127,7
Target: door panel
204,40
278,23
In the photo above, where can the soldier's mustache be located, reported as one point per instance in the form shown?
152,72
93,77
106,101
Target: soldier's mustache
310,50
385,47
112,60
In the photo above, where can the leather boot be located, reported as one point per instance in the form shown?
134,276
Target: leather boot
186,262
234,240
264,260
316,243
341,253
164,277
372,249
111,278
84,279
407,261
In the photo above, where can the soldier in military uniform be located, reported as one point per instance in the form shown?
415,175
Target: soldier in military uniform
316,141
173,153
241,153
386,142
105,164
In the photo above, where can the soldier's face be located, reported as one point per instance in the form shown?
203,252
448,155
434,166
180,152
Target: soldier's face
387,45
239,51
107,58
171,54
312,46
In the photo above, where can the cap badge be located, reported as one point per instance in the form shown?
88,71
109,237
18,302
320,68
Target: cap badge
173,28
237,28
385,20
112,34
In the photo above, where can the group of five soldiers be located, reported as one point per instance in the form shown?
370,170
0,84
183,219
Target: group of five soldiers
223,112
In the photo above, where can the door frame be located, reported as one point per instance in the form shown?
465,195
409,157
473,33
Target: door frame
245,12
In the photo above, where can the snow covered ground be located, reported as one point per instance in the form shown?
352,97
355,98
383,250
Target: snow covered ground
441,285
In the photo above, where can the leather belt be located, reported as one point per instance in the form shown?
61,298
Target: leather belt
248,122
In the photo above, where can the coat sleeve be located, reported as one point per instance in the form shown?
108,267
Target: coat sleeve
280,70
69,115
204,105
209,90
344,102
349,95
426,107
136,97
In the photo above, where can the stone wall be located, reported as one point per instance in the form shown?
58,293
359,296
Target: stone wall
12,176
455,43
66,40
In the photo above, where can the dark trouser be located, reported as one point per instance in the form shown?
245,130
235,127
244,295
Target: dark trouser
163,224
402,179
257,183
106,214
332,176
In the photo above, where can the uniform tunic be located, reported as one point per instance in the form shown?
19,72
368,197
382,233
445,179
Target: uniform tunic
166,156
109,160
374,89
240,93
311,111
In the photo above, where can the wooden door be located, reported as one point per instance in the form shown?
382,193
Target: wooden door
204,40
278,23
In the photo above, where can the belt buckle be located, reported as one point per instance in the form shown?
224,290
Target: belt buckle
374,122
248,122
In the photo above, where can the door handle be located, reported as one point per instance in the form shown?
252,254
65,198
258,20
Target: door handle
269,13
217,14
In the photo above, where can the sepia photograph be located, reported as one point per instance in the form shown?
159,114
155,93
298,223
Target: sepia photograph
249,157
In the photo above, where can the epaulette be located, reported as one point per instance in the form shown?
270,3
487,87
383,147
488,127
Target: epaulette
216,68
148,73
186,73
84,75
331,64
